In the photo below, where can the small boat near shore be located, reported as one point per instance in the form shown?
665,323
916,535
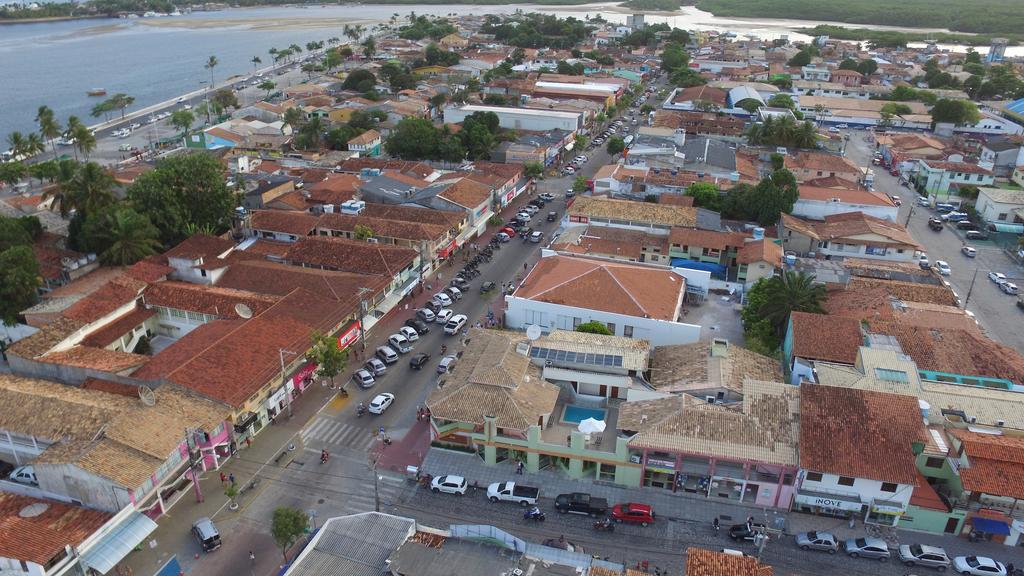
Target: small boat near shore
97,92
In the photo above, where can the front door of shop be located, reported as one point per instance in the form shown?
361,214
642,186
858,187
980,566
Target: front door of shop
951,525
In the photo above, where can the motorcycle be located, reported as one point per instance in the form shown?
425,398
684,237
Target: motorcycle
535,514
605,525
360,410
324,456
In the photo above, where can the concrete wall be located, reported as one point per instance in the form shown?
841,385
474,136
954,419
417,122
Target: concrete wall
817,210
867,489
522,313
90,490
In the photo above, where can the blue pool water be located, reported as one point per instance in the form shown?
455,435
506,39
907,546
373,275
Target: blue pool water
577,414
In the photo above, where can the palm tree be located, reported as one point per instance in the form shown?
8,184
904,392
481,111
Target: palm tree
807,135
127,236
16,140
34,144
255,62
71,130
267,85
121,102
92,188
293,118
210,65
63,194
275,54
85,140
49,128
12,172
788,293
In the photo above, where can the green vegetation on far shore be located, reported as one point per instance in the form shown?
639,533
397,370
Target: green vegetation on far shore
1001,17
660,5
887,38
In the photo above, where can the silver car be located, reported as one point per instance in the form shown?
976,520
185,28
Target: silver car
867,548
919,555
817,541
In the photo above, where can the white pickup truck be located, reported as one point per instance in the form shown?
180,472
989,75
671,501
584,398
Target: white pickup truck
512,492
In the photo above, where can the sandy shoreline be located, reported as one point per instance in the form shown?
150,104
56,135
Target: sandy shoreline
255,23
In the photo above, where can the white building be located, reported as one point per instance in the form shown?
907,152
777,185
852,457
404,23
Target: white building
1000,205
520,118
632,301
850,235
816,203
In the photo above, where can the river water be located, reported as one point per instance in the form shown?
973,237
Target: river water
153,59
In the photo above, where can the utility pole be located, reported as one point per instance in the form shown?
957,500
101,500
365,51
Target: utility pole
190,442
971,288
909,214
363,309
284,382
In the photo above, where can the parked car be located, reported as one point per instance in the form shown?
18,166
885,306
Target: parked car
503,236
997,277
426,315
969,251
547,197
634,513
454,292
418,360
446,364
976,235
486,287
206,534
924,264
817,541
867,548
581,503
399,343
954,216
896,200
935,224
942,267
387,354
978,566
381,402
455,324
375,367
442,299
512,492
552,216
460,283
24,475
531,209
742,532
363,378
444,315
966,225
410,333
536,237
942,207
1008,287
919,555
923,201
449,484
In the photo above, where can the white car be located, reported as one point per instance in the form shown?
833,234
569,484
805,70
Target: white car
943,267
381,402
442,299
375,367
443,315
399,343
1008,287
363,378
410,333
446,364
978,566
449,484
997,277
135,126
455,324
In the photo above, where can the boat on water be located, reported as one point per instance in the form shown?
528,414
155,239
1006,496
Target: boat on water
97,92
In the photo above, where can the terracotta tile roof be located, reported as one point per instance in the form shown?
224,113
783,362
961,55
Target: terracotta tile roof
605,240
447,218
926,315
40,538
185,348
963,167
398,229
764,430
996,463
693,366
284,221
281,279
294,200
707,238
116,293
365,138
868,303
95,358
263,249
760,251
955,351
822,337
830,183
703,92
845,195
118,327
675,200
50,254
609,286
241,362
860,433
467,193
492,378
200,247
351,256
150,270
335,189
212,300
851,227
508,171
820,161
924,496
646,212
111,435
109,387
700,562
908,291
46,338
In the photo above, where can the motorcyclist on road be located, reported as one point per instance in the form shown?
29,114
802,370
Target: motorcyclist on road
323,456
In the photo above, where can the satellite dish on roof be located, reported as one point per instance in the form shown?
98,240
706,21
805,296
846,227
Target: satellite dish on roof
147,395
533,332
243,311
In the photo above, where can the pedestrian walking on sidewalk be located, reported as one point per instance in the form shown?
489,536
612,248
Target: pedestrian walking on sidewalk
223,478
231,478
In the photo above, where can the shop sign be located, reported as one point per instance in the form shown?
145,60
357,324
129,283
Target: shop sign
659,463
349,336
883,509
444,252
825,502
307,371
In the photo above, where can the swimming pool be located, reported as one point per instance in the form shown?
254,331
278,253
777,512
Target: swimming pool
576,414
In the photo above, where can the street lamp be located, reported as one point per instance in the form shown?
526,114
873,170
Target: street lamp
284,382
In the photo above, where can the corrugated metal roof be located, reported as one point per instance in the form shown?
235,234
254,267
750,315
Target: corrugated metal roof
355,545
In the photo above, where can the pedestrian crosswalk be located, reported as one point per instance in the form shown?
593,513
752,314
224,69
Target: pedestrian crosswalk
325,430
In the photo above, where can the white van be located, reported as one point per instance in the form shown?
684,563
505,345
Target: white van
24,475
455,324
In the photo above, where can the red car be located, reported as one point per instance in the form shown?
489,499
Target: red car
641,514
509,231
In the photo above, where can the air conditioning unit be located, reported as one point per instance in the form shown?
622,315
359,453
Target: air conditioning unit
973,419
710,399
373,240
1000,423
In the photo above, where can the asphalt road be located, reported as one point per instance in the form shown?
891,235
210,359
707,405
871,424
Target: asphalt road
996,311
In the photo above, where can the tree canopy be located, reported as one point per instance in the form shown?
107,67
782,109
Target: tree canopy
594,327
957,112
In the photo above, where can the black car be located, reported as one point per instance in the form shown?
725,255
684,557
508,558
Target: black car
552,216
460,283
515,225
419,360
536,202
740,531
486,287
966,225
418,325
935,224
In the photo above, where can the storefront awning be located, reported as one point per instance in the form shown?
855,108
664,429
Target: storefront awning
825,500
990,526
118,543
